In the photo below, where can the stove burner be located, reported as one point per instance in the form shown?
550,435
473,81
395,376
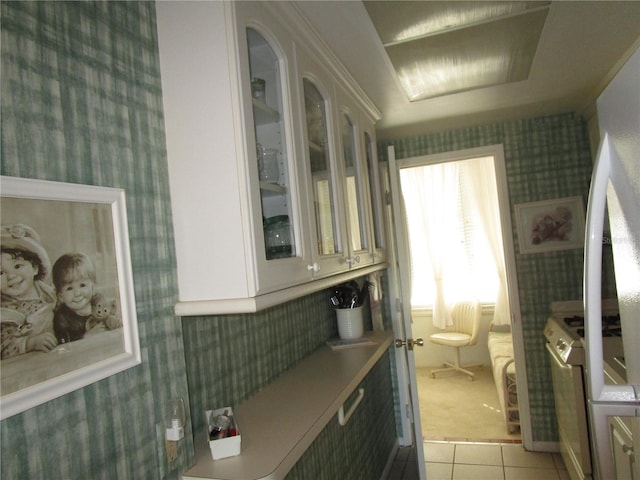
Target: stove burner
615,331
611,320
610,325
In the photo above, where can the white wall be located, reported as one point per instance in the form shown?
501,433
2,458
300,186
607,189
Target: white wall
432,355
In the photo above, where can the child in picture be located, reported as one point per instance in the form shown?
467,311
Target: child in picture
27,299
81,310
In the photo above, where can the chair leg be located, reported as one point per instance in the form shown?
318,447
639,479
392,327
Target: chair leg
456,367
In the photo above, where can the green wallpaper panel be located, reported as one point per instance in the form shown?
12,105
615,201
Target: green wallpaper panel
81,103
229,357
546,158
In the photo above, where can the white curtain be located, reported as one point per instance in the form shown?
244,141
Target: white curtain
433,197
484,192
430,199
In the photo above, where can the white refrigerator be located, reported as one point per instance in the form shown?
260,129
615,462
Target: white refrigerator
615,191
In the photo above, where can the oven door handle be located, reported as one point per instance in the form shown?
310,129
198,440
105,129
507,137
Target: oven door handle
554,355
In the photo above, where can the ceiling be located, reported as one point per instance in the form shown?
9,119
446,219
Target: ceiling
581,45
442,47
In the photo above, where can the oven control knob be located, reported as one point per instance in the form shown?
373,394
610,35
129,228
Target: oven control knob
561,345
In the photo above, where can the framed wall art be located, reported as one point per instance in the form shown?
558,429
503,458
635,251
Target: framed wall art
550,225
68,312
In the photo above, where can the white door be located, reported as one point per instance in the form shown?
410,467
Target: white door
400,296
401,293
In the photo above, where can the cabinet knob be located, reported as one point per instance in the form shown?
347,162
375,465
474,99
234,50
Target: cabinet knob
352,260
314,267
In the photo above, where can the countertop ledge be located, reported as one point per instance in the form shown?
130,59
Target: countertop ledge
283,419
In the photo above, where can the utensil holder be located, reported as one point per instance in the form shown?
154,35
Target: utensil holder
350,323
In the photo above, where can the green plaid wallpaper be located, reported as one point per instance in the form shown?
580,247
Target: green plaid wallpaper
81,103
546,158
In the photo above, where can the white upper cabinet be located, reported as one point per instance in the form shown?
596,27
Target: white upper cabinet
267,156
355,187
271,127
377,192
325,210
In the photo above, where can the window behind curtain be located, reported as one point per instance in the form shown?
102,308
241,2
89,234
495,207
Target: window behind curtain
469,266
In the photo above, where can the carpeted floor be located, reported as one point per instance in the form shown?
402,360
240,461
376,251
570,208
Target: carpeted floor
452,408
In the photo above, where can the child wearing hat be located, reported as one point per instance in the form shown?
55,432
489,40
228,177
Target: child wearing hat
27,299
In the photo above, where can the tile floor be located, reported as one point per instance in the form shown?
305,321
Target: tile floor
479,461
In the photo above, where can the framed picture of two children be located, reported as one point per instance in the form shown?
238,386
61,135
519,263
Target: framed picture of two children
67,313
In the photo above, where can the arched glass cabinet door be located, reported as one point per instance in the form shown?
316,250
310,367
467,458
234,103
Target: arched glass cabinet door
356,220
376,192
271,150
320,167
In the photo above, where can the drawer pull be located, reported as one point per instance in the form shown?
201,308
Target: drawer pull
342,418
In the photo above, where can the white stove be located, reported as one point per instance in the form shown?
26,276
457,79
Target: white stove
565,333
565,330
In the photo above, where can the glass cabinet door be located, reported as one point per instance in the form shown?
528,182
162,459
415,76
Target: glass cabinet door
320,168
271,152
354,199
376,192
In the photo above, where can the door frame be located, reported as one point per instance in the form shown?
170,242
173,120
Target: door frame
403,372
401,317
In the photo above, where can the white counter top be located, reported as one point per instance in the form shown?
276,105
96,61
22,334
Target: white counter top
283,419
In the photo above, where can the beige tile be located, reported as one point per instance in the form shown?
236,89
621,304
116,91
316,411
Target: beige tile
439,471
475,454
438,452
516,456
527,473
477,472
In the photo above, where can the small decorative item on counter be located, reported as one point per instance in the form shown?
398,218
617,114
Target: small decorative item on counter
224,435
258,89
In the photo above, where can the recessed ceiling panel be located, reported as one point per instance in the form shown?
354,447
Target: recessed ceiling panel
398,21
458,46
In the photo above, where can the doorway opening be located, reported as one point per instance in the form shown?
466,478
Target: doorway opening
492,269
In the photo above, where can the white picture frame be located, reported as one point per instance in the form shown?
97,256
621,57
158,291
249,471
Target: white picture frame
550,225
68,218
